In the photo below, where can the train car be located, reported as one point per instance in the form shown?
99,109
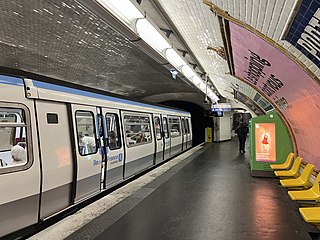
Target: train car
60,146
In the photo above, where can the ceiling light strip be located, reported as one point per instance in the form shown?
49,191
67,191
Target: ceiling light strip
130,15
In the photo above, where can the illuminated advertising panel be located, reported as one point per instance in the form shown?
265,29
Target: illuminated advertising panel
265,135
285,84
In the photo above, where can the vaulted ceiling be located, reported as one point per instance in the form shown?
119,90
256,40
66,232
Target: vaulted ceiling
75,41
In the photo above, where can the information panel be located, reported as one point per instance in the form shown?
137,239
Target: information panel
265,135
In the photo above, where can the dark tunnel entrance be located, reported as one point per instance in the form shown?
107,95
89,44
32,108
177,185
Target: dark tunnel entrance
199,119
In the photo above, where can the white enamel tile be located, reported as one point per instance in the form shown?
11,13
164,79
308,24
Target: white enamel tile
249,12
199,28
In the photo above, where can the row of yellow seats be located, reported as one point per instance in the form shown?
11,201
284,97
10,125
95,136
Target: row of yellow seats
296,180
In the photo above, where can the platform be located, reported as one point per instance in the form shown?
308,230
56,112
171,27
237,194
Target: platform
207,193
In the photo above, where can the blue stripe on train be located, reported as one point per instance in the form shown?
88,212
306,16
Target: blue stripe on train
11,80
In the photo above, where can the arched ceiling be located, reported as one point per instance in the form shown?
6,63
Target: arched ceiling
261,53
75,41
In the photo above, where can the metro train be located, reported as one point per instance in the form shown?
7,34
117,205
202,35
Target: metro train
75,144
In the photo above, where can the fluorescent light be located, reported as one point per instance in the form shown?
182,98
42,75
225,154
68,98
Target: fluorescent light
196,80
212,95
151,35
202,86
127,12
124,10
174,58
187,71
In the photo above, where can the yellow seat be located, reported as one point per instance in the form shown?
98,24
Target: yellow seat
312,194
302,181
311,214
293,172
284,165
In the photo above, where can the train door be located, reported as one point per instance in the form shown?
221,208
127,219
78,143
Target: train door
113,148
184,134
89,158
56,156
175,135
158,139
189,134
166,137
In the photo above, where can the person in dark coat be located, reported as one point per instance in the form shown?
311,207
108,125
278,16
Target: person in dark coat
242,132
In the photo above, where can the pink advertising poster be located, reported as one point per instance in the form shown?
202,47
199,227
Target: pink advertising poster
284,83
265,135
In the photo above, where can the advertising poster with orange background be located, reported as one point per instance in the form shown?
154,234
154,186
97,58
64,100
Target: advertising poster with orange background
265,142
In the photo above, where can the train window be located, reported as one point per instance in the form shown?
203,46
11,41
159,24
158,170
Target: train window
113,130
165,127
13,145
157,128
184,130
52,118
187,125
174,126
137,129
99,118
87,139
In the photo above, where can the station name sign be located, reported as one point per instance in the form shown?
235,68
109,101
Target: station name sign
221,107
304,32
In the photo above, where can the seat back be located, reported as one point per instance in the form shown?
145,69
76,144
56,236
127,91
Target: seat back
296,165
306,173
289,160
316,183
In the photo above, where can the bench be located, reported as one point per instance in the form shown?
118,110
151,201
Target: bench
301,182
312,194
284,165
309,198
291,173
311,214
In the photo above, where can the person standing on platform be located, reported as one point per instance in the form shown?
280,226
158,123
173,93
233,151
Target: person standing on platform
242,132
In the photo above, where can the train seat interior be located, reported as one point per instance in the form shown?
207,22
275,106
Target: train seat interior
293,172
285,165
303,181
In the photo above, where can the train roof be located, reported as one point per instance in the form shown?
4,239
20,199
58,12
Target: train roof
46,90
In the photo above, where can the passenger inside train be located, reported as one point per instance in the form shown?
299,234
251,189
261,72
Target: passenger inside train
18,154
112,140
87,144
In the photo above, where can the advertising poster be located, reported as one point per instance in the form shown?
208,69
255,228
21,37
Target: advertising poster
284,83
265,142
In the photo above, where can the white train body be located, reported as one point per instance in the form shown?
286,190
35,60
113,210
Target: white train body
78,144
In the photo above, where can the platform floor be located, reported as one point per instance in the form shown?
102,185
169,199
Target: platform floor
208,195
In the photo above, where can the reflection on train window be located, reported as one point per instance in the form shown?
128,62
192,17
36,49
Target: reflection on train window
137,130
165,127
13,145
113,131
87,143
157,128
174,126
